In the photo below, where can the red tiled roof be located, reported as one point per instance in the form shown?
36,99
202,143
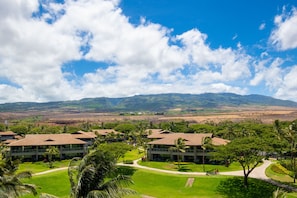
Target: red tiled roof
84,135
191,139
47,139
157,133
4,133
105,131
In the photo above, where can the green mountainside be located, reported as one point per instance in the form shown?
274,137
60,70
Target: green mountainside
153,103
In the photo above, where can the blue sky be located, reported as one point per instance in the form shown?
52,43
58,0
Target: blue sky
67,50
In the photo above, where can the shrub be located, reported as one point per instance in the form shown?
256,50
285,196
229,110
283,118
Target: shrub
278,168
128,161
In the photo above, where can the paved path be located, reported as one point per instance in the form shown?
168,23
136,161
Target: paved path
50,171
258,172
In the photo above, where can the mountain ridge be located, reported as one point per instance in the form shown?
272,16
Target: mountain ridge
152,102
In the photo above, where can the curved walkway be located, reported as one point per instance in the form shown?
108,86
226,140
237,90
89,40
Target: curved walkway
258,172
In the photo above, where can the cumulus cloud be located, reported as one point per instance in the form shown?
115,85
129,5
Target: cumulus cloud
38,40
288,89
285,33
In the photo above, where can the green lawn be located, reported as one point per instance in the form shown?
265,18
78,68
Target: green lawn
132,155
145,183
56,183
190,167
36,167
166,185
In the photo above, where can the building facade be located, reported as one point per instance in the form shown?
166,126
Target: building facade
161,148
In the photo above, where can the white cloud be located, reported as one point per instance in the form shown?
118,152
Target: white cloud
270,72
143,58
288,89
262,26
285,33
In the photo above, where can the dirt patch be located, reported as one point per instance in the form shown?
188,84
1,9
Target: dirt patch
190,182
263,114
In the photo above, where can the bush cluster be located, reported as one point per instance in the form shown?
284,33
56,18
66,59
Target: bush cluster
278,168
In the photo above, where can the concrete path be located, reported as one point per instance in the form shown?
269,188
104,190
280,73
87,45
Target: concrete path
258,172
50,171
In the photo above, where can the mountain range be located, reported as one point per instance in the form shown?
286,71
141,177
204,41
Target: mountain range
152,103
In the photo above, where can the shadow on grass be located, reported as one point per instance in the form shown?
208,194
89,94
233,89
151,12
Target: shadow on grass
125,170
234,188
184,169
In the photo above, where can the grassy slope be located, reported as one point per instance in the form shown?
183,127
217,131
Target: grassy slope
145,183
55,183
164,185
191,167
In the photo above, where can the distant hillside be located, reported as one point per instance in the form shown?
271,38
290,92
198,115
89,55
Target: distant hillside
153,103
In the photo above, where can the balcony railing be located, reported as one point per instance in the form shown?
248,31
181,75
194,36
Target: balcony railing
42,151
199,152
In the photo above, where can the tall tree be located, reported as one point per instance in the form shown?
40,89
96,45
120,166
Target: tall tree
51,152
206,143
289,134
180,147
248,151
91,177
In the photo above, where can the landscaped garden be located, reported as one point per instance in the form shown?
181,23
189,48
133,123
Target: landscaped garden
190,167
145,183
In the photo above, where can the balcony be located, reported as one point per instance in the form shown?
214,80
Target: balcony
20,152
189,152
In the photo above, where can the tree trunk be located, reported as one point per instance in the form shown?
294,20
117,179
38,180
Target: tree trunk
245,181
203,160
294,169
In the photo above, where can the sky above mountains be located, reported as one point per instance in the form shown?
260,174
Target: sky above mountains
73,49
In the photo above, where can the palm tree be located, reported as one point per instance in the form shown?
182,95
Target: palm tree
180,147
50,153
206,142
278,193
11,185
92,177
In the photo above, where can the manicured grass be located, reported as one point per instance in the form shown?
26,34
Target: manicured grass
173,186
190,167
36,167
277,176
281,178
56,183
132,155
145,183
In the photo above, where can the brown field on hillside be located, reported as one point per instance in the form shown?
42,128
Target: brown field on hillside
264,114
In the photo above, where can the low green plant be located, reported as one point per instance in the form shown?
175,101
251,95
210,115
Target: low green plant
278,168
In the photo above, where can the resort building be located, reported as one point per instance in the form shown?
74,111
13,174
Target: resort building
8,136
163,142
32,147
